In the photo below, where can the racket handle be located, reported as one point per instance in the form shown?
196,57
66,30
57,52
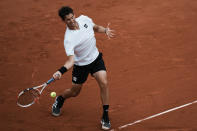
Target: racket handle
51,80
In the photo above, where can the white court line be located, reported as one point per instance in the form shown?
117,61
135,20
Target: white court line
138,121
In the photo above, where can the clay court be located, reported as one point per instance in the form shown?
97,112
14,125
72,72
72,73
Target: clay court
151,63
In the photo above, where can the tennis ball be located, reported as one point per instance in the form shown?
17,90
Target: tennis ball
53,94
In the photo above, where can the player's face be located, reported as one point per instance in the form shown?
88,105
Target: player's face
70,21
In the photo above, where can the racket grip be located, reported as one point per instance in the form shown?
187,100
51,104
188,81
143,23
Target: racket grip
51,80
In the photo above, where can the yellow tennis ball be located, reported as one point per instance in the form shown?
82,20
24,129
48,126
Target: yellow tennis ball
53,94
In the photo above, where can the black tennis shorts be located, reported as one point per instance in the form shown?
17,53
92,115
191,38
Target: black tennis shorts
80,73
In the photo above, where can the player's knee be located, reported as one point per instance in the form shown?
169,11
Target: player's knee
103,84
76,91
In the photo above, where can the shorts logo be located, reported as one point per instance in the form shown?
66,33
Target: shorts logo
74,78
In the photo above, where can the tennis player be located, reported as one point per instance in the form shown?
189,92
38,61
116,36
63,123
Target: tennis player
84,57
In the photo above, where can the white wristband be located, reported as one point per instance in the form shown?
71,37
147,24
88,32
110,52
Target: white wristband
106,30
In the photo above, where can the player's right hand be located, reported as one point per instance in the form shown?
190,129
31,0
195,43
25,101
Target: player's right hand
57,75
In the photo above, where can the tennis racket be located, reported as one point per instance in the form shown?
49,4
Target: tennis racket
28,96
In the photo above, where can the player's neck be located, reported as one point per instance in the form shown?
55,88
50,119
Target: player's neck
76,27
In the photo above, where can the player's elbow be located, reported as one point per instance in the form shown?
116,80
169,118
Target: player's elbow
71,59
70,63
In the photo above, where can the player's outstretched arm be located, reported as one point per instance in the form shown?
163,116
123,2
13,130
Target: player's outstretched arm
107,30
68,64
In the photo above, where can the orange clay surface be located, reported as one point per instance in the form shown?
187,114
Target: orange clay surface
151,63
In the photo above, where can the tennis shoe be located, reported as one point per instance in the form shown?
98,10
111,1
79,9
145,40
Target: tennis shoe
57,106
105,123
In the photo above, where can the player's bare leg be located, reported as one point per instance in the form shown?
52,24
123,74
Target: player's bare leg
101,78
72,92
59,101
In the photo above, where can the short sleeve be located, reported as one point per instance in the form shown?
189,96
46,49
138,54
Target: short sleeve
69,47
89,20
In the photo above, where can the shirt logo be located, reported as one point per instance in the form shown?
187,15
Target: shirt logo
86,26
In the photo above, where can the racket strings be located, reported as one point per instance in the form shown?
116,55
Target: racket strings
28,97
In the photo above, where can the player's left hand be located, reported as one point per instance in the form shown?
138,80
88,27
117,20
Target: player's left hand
109,32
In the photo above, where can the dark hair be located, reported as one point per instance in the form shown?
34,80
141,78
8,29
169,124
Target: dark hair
65,10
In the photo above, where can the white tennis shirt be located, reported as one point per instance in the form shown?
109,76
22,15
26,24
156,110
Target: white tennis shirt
81,43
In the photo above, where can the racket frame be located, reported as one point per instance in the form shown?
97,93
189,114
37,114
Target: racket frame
35,88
